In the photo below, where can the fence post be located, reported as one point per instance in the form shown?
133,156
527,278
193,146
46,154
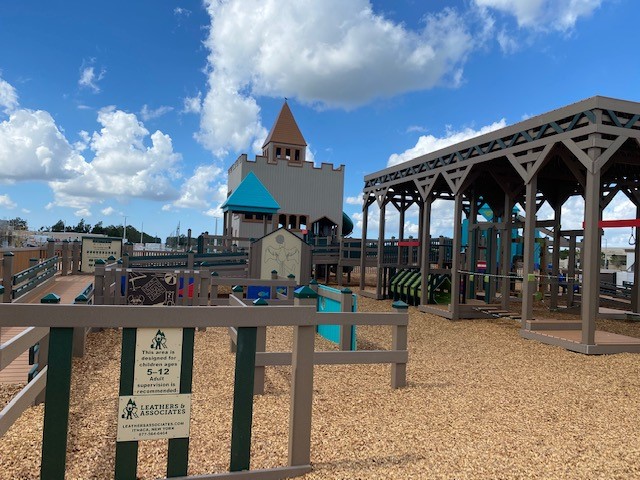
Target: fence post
399,342
290,290
65,257
346,305
301,385
75,257
214,287
190,259
243,397
7,277
56,408
125,260
99,283
51,248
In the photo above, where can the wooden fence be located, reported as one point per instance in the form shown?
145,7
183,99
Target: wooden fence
60,320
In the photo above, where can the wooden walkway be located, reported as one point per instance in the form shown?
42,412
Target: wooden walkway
67,288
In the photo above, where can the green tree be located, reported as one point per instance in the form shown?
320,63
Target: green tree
82,227
58,226
19,223
98,229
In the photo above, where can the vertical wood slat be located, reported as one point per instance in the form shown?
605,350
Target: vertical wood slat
301,396
259,373
56,409
243,399
178,450
127,452
346,331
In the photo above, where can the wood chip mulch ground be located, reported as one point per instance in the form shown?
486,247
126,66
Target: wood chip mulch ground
481,403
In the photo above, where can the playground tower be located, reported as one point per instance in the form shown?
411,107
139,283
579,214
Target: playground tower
290,192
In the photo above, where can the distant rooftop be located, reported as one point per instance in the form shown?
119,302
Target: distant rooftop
285,129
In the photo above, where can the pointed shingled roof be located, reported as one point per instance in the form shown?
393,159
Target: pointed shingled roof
285,129
251,196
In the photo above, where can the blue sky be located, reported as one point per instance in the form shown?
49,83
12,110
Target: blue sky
138,108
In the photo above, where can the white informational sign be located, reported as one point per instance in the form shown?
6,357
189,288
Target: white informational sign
152,417
158,361
94,248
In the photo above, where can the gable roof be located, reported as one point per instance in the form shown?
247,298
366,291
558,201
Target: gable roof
285,129
251,196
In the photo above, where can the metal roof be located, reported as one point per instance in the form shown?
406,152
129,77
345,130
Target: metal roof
251,196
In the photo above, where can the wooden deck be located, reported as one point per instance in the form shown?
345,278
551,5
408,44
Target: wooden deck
67,288
605,342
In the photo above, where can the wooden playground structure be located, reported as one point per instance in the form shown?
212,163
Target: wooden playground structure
590,148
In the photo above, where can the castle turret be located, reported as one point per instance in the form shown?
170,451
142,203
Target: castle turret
285,141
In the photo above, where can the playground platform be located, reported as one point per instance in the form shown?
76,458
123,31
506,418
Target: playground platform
571,339
67,288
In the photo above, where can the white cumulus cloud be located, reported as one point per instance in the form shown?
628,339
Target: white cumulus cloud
89,78
430,143
148,113
206,187
32,147
560,15
127,163
329,54
8,96
6,202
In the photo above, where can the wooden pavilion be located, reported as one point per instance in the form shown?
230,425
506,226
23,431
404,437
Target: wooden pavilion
590,148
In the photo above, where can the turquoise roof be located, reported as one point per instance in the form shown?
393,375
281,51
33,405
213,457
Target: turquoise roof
251,196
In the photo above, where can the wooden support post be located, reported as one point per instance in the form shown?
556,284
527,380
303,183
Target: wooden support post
259,373
455,257
571,270
65,257
346,331
472,246
190,260
243,400
635,294
301,386
7,277
425,242
590,258
43,361
555,257
99,284
51,248
363,244
399,342
529,283
401,236
178,450
505,241
75,257
127,452
380,271
56,408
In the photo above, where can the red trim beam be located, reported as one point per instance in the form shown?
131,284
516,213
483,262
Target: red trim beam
635,222
414,243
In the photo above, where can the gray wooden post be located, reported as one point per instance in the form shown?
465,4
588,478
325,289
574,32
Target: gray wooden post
529,283
190,260
301,385
425,241
65,257
363,244
99,282
261,346
7,277
214,288
635,294
125,260
571,269
346,305
379,286
441,252
399,342
505,241
455,257
75,257
472,246
590,258
51,248
555,257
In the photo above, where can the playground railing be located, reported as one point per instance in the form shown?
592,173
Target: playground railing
60,319
18,284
